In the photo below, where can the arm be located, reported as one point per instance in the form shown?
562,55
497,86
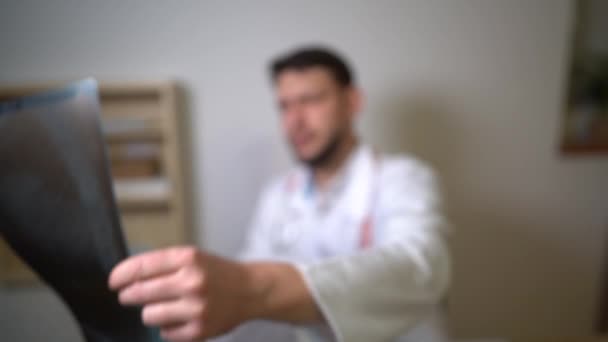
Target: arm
191,295
281,294
381,293
373,295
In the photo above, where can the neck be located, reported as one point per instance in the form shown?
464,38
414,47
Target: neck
324,173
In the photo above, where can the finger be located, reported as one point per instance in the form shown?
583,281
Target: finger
173,313
188,332
150,264
162,288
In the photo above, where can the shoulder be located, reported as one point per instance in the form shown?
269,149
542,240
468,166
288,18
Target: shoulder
405,178
406,167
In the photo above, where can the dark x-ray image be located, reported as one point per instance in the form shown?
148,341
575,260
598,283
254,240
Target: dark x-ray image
57,209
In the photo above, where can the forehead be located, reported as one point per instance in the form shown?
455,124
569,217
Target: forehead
294,81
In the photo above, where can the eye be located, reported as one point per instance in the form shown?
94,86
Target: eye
282,106
312,98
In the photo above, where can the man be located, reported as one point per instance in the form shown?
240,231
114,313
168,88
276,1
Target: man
349,246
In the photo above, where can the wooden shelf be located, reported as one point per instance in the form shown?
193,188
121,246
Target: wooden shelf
143,194
135,137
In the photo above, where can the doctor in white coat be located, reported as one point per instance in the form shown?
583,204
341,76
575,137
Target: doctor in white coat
349,246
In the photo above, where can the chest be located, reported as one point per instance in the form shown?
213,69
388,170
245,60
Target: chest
316,230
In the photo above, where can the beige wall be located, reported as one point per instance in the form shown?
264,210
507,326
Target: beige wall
473,86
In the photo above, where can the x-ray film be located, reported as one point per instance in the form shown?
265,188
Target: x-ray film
57,209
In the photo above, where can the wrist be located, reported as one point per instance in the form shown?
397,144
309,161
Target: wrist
277,291
260,284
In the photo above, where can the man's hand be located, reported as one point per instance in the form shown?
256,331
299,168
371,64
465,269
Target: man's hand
192,295
189,294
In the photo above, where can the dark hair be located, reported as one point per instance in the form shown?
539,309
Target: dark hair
314,56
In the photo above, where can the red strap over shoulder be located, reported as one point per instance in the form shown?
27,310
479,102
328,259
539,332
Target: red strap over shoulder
367,225
366,233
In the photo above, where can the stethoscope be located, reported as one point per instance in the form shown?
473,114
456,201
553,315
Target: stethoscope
289,232
293,224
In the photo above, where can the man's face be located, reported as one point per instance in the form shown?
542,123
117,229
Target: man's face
316,111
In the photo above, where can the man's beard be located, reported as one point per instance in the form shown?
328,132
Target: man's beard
324,157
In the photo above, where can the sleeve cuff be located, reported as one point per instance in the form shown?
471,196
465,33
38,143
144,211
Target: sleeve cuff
330,320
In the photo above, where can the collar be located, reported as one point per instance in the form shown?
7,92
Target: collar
351,189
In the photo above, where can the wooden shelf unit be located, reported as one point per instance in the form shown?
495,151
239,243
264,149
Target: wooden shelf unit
142,125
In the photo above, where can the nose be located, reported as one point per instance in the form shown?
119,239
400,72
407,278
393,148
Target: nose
294,116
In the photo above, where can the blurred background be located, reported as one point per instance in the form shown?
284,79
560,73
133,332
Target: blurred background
477,88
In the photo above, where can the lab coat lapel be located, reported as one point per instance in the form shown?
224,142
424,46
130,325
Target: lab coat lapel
343,229
299,199
357,197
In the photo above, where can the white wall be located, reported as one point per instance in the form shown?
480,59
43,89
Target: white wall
473,86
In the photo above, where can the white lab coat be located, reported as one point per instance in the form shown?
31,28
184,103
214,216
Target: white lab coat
376,281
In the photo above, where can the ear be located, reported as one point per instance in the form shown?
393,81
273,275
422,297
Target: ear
355,100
